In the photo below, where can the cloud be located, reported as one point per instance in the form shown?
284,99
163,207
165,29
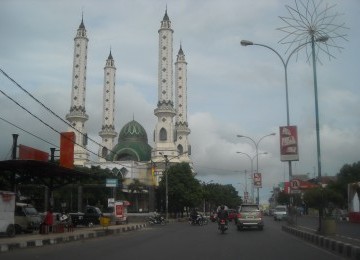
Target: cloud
231,89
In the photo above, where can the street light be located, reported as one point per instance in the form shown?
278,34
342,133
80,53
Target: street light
206,183
285,63
166,181
166,185
257,154
252,171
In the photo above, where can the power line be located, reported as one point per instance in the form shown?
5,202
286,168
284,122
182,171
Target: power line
52,112
57,116
18,127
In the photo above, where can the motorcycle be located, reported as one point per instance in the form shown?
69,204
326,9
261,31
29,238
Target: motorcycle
198,220
222,226
157,219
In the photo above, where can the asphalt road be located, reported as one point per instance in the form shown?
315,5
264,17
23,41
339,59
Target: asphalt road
183,241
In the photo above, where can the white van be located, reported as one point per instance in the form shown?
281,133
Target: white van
27,218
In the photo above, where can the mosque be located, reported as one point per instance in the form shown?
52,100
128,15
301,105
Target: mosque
132,156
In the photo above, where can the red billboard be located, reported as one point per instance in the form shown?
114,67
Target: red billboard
29,153
289,150
67,140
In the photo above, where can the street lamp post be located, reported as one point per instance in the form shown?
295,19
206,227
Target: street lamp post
252,171
257,155
166,187
166,159
285,63
206,183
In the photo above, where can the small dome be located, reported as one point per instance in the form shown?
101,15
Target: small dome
132,145
133,131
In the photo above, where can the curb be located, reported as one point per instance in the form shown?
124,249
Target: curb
335,246
69,237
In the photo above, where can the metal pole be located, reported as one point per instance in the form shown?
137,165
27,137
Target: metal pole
317,127
166,188
257,171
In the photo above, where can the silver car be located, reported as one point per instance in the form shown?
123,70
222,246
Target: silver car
249,215
280,213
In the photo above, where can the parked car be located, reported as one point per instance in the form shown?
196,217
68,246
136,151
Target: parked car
280,212
27,218
249,215
232,214
90,217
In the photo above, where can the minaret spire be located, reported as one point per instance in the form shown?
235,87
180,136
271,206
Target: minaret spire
181,124
107,132
77,116
164,129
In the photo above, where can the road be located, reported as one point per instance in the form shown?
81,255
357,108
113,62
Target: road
182,241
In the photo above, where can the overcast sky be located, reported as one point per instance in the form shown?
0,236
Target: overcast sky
231,89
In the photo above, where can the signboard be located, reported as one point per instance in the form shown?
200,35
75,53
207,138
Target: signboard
295,184
289,150
246,195
67,140
111,182
257,180
29,153
111,202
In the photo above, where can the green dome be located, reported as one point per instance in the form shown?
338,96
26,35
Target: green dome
132,145
133,131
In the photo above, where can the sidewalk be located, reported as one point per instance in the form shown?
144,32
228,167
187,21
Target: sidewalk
79,233
338,244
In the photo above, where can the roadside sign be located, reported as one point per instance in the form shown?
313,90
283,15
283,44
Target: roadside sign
111,182
111,202
257,180
295,184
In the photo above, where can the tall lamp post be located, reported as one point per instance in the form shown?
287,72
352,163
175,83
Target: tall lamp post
257,155
206,183
166,187
252,171
285,63
166,159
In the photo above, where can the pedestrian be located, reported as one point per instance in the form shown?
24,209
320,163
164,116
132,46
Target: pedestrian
49,220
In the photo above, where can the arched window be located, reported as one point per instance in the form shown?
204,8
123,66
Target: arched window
163,134
180,149
104,152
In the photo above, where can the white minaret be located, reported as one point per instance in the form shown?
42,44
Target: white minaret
77,116
164,129
181,124
107,132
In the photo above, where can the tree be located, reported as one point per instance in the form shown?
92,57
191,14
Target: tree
349,173
184,191
323,197
218,194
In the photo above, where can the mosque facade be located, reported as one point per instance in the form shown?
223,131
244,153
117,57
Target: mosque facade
129,153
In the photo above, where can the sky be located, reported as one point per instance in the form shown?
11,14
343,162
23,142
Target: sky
232,90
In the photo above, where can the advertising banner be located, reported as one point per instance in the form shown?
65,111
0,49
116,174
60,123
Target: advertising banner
257,180
289,150
29,153
67,140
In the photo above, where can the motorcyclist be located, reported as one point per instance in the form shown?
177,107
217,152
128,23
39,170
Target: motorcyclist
222,214
193,215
